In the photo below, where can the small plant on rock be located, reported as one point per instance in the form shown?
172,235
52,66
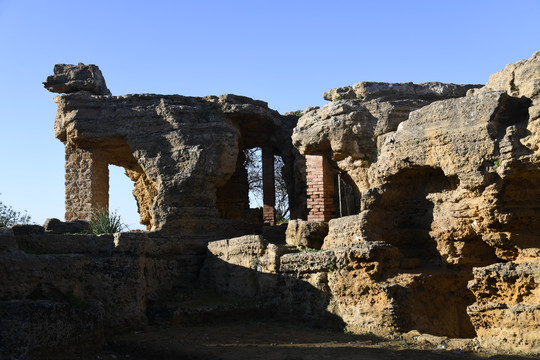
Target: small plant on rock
298,113
103,222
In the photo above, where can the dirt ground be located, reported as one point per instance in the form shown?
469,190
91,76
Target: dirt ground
266,339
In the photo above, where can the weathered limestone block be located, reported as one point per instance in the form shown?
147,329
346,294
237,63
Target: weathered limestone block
346,231
440,175
55,226
342,284
506,314
50,243
115,281
306,234
368,90
521,78
122,272
353,127
242,266
73,78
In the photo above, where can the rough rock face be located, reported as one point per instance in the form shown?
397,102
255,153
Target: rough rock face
506,313
507,306
56,226
63,288
328,287
306,234
452,185
352,128
178,150
80,77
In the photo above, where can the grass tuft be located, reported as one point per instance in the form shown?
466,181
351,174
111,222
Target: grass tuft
103,222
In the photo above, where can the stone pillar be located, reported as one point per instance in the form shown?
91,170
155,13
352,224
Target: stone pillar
320,188
87,182
269,192
232,199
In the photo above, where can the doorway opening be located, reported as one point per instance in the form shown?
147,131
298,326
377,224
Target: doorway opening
121,199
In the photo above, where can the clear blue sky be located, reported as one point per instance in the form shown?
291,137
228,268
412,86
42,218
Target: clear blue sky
284,52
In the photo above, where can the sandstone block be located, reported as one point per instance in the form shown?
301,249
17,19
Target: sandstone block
306,234
73,78
56,226
346,231
506,312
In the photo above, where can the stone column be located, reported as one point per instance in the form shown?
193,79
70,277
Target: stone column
320,188
269,192
87,182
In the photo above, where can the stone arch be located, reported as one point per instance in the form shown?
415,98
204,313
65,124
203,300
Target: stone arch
272,134
87,178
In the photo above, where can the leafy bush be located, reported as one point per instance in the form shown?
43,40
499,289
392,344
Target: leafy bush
103,222
10,217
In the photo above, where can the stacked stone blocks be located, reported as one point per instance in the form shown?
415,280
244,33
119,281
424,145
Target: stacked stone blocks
320,188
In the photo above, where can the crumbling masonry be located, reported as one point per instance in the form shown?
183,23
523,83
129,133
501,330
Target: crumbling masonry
442,182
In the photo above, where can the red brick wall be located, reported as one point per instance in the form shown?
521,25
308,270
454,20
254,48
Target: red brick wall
269,192
320,188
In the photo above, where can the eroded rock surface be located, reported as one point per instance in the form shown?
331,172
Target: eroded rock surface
506,313
74,78
450,181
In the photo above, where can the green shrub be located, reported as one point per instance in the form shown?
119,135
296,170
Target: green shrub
10,217
103,222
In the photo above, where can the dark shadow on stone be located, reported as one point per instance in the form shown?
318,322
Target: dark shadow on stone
402,215
436,298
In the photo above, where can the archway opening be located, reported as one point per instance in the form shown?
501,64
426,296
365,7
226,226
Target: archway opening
433,298
243,196
121,199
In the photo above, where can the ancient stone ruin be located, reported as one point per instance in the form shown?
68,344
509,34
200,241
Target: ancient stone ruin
419,203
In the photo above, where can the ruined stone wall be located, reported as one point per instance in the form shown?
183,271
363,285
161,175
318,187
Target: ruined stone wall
179,150
58,289
446,240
